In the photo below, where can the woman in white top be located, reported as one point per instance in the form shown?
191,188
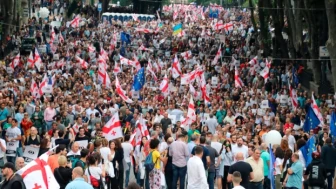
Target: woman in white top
279,158
94,172
140,157
54,137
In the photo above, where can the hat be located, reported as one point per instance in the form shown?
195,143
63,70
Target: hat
8,165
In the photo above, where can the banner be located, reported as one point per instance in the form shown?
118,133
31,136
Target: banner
30,154
82,144
11,148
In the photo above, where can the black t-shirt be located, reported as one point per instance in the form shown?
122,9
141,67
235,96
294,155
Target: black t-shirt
62,141
245,169
205,154
30,141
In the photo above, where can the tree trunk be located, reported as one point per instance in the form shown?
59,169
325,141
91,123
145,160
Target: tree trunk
264,34
331,43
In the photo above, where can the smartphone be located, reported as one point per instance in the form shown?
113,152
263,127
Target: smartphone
102,161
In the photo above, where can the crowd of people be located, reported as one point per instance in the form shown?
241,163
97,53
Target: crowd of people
54,99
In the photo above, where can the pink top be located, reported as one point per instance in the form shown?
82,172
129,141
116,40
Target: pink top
49,114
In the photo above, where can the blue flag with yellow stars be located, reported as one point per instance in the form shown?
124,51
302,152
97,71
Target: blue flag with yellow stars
333,125
139,80
311,121
307,150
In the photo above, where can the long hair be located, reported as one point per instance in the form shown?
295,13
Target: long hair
288,155
224,144
117,144
284,144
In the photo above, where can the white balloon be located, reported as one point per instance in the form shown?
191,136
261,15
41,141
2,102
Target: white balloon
273,137
44,12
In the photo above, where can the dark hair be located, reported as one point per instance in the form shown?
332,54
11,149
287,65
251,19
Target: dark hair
198,150
154,143
287,156
91,159
54,131
202,140
13,119
300,143
127,137
328,141
60,148
84,152
60,133
44,143
166,137
279,153
117,144
142,144
224,144
97,143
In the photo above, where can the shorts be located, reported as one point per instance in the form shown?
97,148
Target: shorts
218,175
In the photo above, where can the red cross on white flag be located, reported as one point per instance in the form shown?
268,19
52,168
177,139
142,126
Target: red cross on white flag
112,129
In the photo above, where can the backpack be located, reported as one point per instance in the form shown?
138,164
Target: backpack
78,163
149,164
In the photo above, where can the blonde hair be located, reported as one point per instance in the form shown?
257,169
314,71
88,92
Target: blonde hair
62,161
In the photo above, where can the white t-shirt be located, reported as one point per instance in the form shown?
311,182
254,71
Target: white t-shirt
128,148
238,187
278,163
95,172
243,149
3,142
13,133
291,142
104,152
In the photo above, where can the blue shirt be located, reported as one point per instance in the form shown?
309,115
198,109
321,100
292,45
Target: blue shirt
295,179
79,183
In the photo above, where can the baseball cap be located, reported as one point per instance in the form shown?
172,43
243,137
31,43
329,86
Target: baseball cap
8,165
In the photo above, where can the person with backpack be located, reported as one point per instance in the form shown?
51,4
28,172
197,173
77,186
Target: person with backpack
153,164
316,172
94,172
63,173
82,161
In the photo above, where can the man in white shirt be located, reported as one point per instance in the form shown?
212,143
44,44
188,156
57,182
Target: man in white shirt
128,153
236,179
291,140
240,148
196,172
2,152
13,136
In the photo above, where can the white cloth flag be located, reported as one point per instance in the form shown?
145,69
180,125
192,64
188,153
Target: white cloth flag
112,129
37,174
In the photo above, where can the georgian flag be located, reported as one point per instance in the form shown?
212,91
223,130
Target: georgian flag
43,85
293,96
228,27
104,54
218,55
38,175
176,68
265,73
141,125
52,35
143,48
254,61
116,69
164,86
60,63
316,109
186,55
218,25
175,15
75,22
205,95
15,61
191,115
268,64
136,64
82,63
91,48
31,61
193,91
238,82
121,92
37,60
112,129
150,69
34,90
60,38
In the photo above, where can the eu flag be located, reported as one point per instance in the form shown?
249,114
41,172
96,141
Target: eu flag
307,150
333,125
125,38
139,80
271,167
311,121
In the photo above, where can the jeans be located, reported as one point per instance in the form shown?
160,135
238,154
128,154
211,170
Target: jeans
330,177
147,180
211,179
256,185
140,181
48,125
169,177
267,183
179,172
127,172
